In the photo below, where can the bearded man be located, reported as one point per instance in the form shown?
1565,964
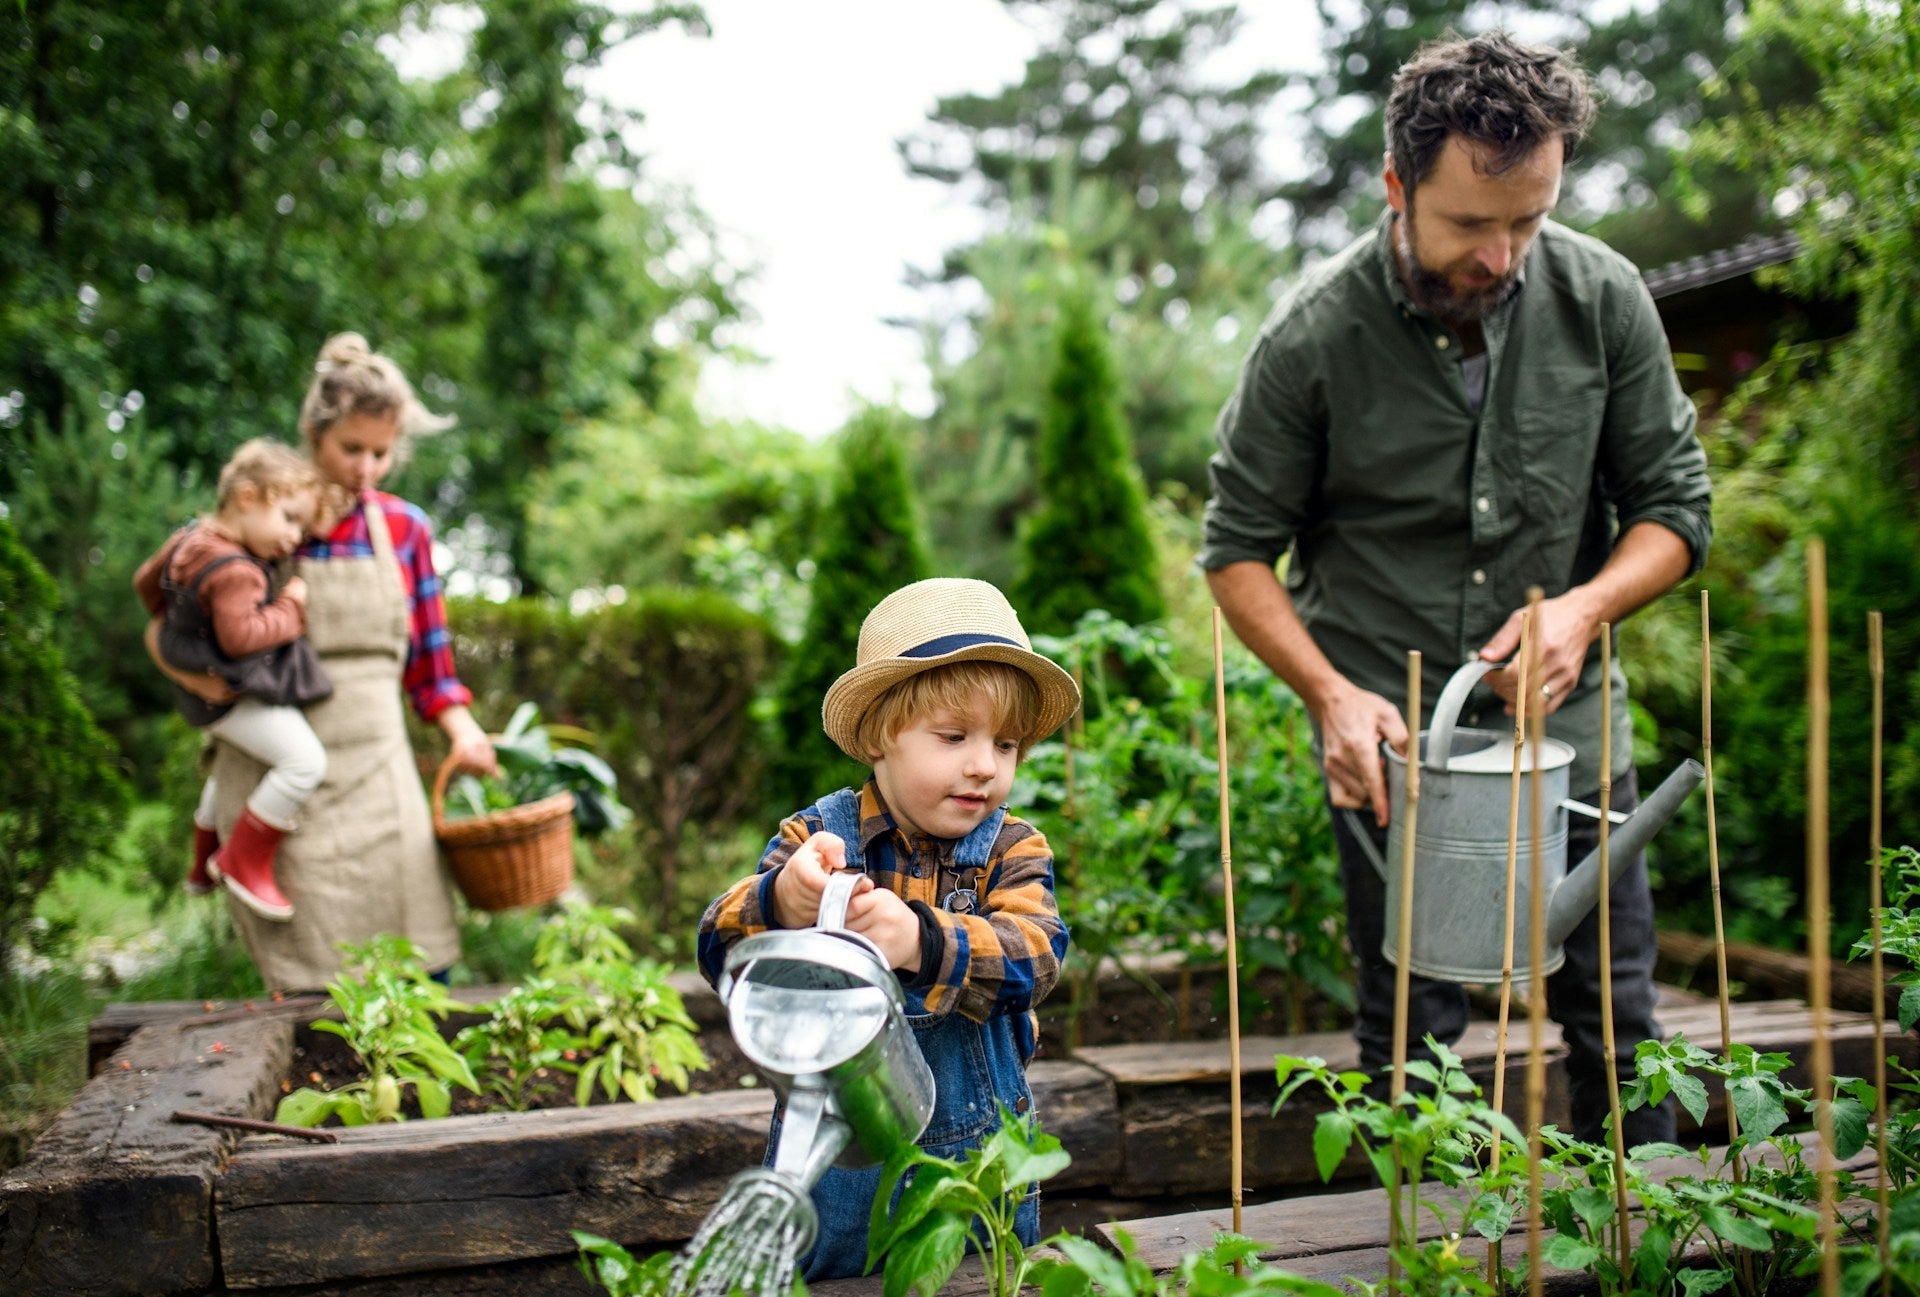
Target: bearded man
1466,402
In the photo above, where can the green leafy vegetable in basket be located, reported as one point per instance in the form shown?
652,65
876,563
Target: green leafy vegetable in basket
537,761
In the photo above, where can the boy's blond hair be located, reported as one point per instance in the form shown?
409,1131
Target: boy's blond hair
1010,694
269,467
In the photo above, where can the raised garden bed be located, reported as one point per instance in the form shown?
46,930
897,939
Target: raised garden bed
484,1203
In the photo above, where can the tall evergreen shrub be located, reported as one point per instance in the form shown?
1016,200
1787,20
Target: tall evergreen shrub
1088,545
62,796
872,542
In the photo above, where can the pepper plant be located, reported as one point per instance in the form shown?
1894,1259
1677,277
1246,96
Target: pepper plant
390,1012
945,1203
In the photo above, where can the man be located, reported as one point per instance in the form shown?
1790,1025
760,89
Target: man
1467,401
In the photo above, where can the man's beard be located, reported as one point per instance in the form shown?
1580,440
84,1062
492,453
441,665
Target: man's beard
1435,292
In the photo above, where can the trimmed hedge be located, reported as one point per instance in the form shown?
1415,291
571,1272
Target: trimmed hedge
666,680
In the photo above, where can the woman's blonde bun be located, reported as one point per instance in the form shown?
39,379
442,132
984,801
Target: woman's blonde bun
344,349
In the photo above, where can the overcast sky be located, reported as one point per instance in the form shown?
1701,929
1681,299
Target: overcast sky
782,124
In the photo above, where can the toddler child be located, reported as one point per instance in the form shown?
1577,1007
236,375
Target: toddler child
212,586
946,698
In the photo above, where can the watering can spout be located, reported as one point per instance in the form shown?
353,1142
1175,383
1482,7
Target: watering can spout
1579,891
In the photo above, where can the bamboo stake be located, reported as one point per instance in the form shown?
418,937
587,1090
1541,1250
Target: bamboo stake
1877,668
1522,683
1403,946
1537,988
1070,871
1625,1241
1817,904
1226,878
1739,1164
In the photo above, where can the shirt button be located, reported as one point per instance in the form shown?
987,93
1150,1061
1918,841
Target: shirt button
1479,576
1483,504
1441,342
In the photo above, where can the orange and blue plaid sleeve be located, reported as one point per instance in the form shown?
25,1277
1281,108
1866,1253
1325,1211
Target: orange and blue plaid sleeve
747,906
1007,958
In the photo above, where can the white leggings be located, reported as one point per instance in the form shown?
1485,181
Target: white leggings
277,737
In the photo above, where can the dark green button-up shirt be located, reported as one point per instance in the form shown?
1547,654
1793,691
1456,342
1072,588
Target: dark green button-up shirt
1416,521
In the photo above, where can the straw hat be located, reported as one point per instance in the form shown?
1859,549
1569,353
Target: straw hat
934,624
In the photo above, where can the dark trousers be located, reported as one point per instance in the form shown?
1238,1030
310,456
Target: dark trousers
1439,1009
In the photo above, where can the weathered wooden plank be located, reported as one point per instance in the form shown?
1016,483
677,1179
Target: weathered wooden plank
1077,1105
115,1197
475,1191
1689,958
470,1191
1351,1223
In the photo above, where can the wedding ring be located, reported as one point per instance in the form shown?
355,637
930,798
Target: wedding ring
1546,693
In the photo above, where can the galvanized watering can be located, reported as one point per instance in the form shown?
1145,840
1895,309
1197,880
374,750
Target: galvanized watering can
1460,847
822,1014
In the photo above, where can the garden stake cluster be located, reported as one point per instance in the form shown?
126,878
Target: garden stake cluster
1522,687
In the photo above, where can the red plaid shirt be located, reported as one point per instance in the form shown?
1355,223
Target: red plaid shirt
429,678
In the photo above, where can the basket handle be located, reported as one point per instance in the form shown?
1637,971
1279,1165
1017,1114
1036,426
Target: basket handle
440,788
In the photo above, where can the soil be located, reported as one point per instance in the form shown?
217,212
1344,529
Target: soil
1124,1012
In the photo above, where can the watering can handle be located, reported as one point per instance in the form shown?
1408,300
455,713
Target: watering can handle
1358,828
1446,711
833,901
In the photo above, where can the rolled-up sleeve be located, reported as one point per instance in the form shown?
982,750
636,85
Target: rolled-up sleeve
1271,447
1655,469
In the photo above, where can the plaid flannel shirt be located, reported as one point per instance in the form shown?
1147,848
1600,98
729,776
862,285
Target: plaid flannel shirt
1005,959
428,678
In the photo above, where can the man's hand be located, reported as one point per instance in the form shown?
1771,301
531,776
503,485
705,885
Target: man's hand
1353,724
1566,628
803,879
889,923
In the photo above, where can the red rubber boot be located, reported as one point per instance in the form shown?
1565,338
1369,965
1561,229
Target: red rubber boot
245,865
205,843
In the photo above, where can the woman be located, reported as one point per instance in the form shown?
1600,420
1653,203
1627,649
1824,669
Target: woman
364,859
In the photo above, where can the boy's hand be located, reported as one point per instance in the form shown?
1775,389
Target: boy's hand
295,591
889,923
802,880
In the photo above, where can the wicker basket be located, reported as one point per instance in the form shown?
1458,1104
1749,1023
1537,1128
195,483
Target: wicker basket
507,859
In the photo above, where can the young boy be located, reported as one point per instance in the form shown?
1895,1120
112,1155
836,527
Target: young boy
946,698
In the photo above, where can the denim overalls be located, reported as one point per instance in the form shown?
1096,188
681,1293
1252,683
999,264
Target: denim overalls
972,1064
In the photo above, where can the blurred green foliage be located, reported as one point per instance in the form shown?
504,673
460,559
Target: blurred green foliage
665,679
1087,545
1129,800
1823,442
62,793
872,542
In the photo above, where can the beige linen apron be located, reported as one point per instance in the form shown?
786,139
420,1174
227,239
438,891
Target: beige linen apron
363,860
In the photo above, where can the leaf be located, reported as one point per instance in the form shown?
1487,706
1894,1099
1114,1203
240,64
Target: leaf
1569,1253
435,1099
926,1258
1737,1230
1491,1215
1850,1127
304,1108
1594,1206
1691,1092
1654,1254
1909,1010
1757,1104
1332,1136
1698,1283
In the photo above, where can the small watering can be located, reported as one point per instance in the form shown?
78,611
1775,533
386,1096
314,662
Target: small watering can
821,1013
1460,847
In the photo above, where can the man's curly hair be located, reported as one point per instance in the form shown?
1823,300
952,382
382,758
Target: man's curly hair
1490,90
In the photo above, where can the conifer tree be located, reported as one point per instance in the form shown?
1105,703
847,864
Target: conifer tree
872,542
1088,545
62,795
